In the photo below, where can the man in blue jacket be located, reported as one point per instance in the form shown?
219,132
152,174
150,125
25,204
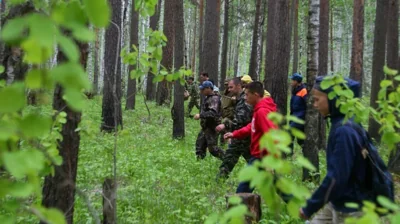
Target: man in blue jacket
346,165
298,104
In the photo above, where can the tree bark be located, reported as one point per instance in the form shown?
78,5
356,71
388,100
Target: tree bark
193,60
59,190
111,109
211,39
378,62
150,86
323,38
295,36
252,202
276,79
134,40
331,38
392,62
163,91
201,36
109,202
253,68
178,129
225,45
357,51
310,149
96,58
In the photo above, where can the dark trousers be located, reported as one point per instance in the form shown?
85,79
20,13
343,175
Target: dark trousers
235,150
193,103
207,138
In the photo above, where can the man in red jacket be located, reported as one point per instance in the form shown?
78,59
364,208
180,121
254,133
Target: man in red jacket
259,125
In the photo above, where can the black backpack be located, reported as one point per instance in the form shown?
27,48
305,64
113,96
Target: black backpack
379,179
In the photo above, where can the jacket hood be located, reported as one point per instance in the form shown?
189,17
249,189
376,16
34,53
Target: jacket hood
267,103
298,88
333,110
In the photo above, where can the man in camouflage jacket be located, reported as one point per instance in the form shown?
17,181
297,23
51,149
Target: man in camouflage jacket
210,117
242,116
193,90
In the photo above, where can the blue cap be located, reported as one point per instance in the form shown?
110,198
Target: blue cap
206,84
297,77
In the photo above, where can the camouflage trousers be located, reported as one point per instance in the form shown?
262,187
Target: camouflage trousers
236,149
207,138
193,103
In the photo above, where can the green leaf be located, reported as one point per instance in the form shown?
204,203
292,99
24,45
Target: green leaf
71,75
12,98
7,219
247,173
98,12
306,163
352,205
35,53
389,71
326,83
51,215
297,133
69,48
7,129
296,119
21,190
23,162
1,69
234,200
13,30
34,125
82,33
75,99
386,83
293,209
33,79
158,78
388,204
390,138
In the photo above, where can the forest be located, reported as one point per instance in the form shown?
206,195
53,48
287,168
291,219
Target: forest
102,107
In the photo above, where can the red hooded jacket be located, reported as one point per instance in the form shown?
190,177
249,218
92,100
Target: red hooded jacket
259,125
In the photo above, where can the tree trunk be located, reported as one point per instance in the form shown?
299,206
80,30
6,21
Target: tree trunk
59,190
211,39
201,36
357,51
310,149
150,86
378,62
134,40
111,109
323,38
236,54
276,79
109,202
253,204
96,58
225,45
331,38
163,92
295,36
193,60
178,129
253,68
392,62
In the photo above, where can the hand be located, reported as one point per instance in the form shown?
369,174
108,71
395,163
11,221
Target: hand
228,135
196,117
302,215
220,127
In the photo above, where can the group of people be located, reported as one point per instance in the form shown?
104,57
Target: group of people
247,122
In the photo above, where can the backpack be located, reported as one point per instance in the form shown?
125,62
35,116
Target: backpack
379,179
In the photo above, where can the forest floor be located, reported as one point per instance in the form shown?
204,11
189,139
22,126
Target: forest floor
159,179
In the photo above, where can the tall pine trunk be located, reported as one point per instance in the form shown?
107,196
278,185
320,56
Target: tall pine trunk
323,38
163,90
211,39
295,36
253,67
201,36
178,130
134,40
392,62
193,59
111,108
378,62
59,190
224,46
357,51
310,149
278,56
150,86
96,58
